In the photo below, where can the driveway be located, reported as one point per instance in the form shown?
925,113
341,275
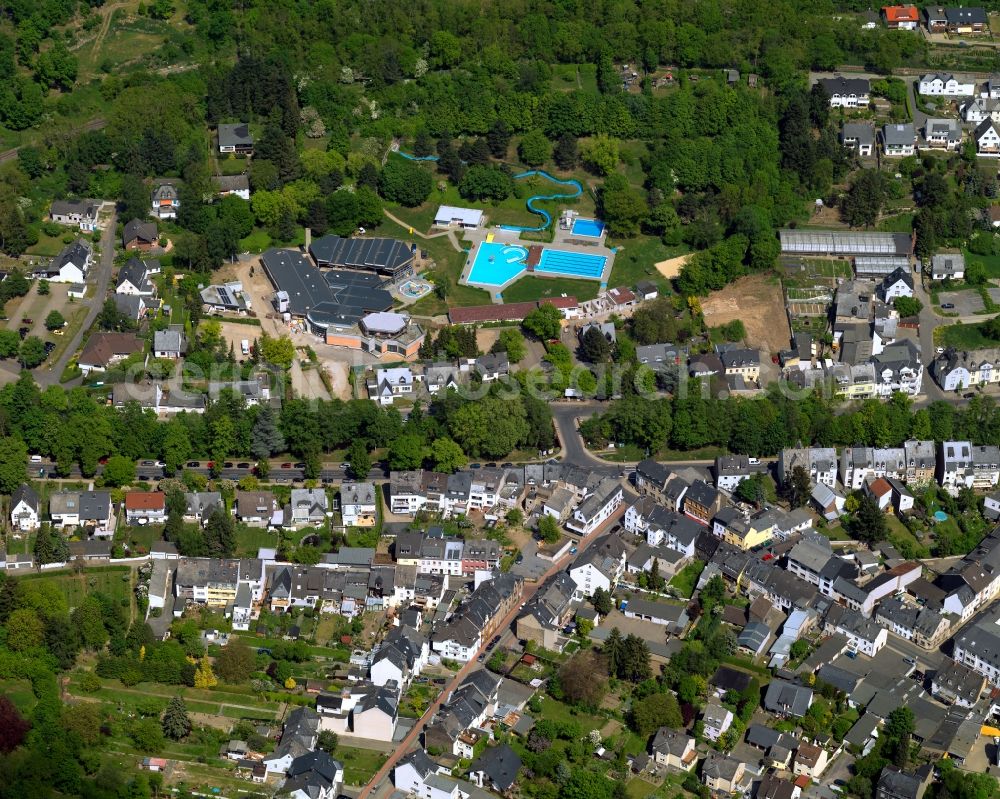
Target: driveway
100,276
966,302
532,567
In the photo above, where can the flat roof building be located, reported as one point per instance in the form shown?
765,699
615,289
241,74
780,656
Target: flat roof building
384,256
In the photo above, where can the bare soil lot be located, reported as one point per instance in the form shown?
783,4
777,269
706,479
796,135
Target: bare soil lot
757,301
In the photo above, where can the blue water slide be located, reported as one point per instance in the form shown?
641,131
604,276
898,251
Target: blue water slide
577,191
409,157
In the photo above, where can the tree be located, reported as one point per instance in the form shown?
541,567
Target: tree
601,154
405,182
265,437
146,734
278,351
498,139
486,182
32,352
406,452
235,662
176,724
583,679
54,321
359,459
907,306
868,523
118,471
13,726
133,201
634,661
602,602
899,734
545,322
220,534
653,712
511,341
594,346
25,630
535,148
13,464
548,529
204,677
446,456
799,486
565,152
10,342
622,207
327,741
866,198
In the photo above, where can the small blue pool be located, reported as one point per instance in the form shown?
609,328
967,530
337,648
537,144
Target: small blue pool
591,228
940,516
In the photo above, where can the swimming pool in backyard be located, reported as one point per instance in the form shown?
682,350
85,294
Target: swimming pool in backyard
591,228
498,264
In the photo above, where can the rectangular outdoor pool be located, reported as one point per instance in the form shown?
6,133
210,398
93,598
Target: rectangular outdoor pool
591,228
571,264
497,264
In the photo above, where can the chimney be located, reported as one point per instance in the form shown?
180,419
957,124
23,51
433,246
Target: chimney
308,238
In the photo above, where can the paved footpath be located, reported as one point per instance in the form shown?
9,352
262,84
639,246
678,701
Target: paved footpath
413,738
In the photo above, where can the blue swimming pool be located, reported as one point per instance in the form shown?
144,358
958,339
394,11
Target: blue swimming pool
497,264
587,227
572,264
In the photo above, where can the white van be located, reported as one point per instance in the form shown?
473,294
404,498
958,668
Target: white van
36,458
245,346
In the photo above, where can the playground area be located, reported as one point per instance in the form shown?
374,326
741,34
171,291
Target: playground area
414,289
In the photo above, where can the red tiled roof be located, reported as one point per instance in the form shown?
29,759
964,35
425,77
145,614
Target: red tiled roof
880,487
144,500
901,13
509,312
621,295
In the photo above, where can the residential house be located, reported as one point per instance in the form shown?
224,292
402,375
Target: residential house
899,140
987,138
960,19
731,470
406,492
672,617
165,201
145,507
314,775
201,504
945,85
674,749
24,509
70,266
597,508
497,768
864,635
702,502
257,508
951,265
235,138
358,504
810,761
139,235
309,506
492,366
716,720
169,343
943,133
985,466
131,307
829,502
88,509
787,699
742,362
921,461
80,213
899,283
441,377
980,109
391,383
477,618
723,774
410,774
133,278
298,738
232,185
543,618
955,466
957,684
846,92
905,18
820,462
859,136
894,783
211,581
600,566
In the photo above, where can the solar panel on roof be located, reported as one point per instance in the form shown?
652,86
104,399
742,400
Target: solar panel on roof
224,297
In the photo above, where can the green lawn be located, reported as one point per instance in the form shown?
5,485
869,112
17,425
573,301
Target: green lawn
558,711
115,581
990,262
49,246
250,539
19,692
687,578
256,242
535,288
635,258
360,765
901,223
962,337
835,532
636,788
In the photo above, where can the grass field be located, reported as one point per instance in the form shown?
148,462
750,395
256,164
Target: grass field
990,262
360,765
250,539
687,578
962,337
558,711
115,581
638,789
48,246
19,692
535,288
635,258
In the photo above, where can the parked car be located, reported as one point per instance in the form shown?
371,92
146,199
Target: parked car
947,306
242,465
193,464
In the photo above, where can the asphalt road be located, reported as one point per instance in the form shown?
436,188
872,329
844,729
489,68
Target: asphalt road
49,376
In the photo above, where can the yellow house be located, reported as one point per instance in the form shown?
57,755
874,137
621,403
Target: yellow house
749,533
857,383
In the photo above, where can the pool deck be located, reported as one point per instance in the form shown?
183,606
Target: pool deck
564,240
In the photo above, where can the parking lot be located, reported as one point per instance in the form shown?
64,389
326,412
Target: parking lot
966,302
532,567
27,315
